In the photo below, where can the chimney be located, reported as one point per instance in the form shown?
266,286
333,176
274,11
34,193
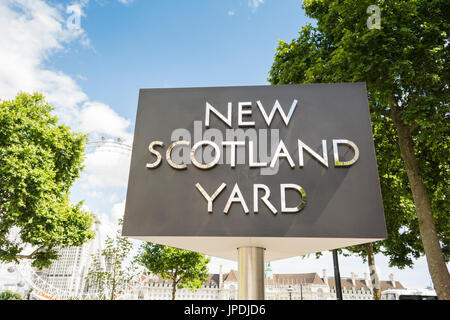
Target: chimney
353,279
391,278
220,277
367,280
325,276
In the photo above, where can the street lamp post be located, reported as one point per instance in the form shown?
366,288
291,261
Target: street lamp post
290,289
337,275
301,290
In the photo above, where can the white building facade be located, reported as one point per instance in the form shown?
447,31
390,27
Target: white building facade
224,286
66,276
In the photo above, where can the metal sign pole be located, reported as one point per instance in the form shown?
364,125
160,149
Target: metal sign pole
251,273
337,275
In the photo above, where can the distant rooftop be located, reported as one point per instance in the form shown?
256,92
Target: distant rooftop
296,279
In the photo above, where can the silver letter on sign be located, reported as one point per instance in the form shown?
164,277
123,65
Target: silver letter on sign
201,165
208,198
277,106
233,145
169,153
242,112
264,198
226,120
156,153
236,196
283,188
337,162
323,160
282,152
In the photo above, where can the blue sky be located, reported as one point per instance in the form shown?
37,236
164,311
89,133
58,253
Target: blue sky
149,44
92,75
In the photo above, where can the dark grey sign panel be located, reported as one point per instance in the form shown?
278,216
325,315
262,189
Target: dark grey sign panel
337,201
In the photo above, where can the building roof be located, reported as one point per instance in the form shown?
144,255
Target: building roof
384,285
232,276
213,278
295,278
290,279
346,283
360,283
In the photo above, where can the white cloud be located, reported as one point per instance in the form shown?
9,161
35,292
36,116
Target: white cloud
108,228
98,118
126,1
231,12
31,31
118,210
113,198
254,4
104,167
96,194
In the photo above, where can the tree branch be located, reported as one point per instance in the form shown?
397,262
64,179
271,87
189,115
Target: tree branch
413,128
31,255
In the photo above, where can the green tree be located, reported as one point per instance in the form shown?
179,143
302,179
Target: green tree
403,65
112,269
186,269
39,161
402,245
9,295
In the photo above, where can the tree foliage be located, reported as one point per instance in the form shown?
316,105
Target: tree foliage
112,269
9,295
39,161
405,67
186,269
